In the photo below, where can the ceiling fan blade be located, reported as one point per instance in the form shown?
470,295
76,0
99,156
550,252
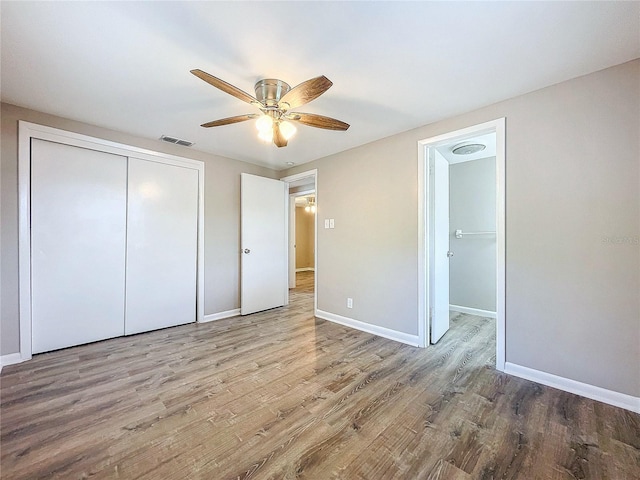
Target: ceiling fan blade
278,138
224,86
230,120
305,92
319,121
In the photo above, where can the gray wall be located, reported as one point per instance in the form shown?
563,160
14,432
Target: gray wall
572,174
222,215
472,208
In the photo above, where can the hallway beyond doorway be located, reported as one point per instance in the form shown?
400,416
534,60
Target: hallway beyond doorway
305,282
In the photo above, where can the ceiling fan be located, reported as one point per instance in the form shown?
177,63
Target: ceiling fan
275,99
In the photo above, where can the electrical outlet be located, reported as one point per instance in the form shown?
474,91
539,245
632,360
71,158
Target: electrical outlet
349,302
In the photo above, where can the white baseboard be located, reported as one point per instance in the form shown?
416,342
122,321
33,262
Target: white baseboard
10,359
617,399
401,337
220,315
473,311
305,269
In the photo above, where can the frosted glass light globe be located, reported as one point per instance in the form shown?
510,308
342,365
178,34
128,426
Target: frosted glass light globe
264,124
287,129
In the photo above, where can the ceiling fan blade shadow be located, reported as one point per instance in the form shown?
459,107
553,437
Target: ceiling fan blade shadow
229,120
305,92
278,138
224,86
318,121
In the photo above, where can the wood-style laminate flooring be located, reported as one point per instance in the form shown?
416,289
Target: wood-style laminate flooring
282,395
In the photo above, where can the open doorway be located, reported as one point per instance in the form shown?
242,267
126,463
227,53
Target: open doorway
302,207
304,245
461,230
472,225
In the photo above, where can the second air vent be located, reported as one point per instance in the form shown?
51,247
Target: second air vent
177,141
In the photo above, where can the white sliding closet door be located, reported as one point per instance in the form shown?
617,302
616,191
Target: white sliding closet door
162,244
78,225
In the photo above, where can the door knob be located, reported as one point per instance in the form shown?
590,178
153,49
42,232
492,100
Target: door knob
246,250
449,254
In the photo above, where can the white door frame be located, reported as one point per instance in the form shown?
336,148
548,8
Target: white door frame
499,127
293,178
27,131
292,234
291,239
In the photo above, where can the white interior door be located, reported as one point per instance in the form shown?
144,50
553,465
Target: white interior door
162,239
264,243
78,225
439,178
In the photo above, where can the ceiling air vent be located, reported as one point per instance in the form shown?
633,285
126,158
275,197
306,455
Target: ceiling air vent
177,141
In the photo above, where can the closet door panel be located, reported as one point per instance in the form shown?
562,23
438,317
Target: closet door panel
78,232
161,246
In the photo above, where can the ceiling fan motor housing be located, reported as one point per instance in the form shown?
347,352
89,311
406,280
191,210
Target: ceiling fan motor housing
269,91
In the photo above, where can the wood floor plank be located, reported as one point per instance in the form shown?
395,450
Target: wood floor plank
283,395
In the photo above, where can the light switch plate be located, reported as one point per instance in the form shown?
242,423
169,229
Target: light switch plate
326,223
332,223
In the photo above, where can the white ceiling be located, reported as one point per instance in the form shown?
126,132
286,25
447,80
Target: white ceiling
394,65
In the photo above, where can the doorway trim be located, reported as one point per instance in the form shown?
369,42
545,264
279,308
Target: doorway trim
288,180
293,216
499,127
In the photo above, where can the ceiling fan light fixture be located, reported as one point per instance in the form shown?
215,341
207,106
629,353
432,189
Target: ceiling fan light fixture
468,148
311,205
264,123
287,129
